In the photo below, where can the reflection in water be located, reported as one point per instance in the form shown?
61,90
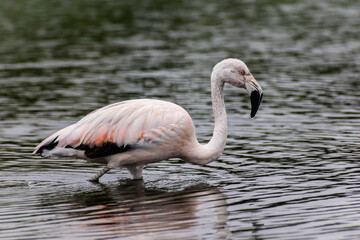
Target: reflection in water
130,209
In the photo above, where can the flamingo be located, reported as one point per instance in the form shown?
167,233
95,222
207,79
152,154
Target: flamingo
134,133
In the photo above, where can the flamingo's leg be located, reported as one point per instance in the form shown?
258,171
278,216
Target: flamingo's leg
99,174
136,171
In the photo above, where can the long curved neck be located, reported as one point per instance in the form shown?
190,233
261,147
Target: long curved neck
203,154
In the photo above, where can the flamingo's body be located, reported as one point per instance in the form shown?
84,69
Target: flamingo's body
134,133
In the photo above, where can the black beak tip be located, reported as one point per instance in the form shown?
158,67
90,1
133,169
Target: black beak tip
255,98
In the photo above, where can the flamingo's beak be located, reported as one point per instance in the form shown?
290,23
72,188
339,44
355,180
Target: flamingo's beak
255,91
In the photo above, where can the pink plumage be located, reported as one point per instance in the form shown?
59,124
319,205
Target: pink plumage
129,123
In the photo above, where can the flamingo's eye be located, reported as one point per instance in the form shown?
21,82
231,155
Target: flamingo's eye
242,72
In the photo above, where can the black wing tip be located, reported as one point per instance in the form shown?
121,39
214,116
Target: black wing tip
106,149
49,146
37,151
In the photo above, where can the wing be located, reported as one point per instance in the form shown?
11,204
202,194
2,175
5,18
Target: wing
117,128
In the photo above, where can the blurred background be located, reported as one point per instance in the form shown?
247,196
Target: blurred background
290,173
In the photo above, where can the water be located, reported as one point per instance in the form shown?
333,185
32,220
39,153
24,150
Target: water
290,173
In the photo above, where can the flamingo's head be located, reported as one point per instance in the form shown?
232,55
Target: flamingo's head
236,73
